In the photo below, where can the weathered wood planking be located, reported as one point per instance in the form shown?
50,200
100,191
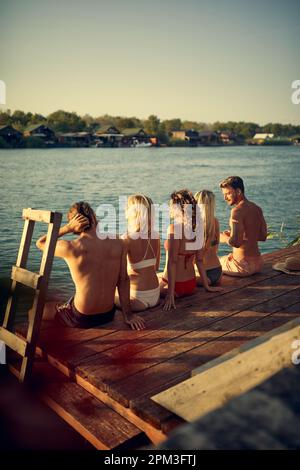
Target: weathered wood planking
97,423
65,337
125,361
157,413
124,368
167,326
266,417
216,382
154,379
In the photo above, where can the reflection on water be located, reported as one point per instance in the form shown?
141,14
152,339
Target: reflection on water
55,178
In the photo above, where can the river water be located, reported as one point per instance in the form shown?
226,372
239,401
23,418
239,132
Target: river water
55,178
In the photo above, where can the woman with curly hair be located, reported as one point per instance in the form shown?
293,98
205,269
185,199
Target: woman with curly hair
184,247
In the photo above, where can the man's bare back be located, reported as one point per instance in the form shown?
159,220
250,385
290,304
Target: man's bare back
97,266
251,222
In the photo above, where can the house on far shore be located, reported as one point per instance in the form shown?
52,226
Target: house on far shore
11,135
190,136
228,138
259,139
107,136
41,131
133,136
75,139
209,138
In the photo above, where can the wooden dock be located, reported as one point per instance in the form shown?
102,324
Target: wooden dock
101,380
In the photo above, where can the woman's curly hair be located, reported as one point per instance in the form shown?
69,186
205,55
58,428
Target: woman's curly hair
184,198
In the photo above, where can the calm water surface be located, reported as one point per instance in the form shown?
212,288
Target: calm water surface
55,178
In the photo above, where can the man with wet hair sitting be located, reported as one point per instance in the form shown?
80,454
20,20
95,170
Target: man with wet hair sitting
98,266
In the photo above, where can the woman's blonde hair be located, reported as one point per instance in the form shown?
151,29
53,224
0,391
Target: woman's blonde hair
139,213
207,203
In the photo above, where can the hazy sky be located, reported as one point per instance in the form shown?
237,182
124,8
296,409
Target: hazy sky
204,60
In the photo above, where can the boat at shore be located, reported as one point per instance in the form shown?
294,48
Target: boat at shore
137,144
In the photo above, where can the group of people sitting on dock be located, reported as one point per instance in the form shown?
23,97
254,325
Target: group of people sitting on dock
122,271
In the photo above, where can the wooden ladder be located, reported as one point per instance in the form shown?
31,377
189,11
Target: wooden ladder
39,282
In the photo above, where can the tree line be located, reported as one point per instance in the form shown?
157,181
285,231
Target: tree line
63,121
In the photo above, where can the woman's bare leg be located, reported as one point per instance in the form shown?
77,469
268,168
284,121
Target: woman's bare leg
136,305
163,289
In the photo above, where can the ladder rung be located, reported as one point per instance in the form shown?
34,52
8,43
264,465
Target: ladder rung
14,342
38,216
26,277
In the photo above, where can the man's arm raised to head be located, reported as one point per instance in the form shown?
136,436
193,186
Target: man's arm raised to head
64,248
236,229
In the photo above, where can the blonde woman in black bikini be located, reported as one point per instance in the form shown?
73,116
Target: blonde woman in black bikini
179,278
143,245
206,201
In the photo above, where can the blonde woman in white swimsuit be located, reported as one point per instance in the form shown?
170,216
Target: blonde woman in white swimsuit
143,257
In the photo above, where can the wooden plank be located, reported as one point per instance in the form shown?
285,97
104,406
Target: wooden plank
154,434
153,379
126,360
14,342
140,392
216,382
57,341
25,277
154,413
101,426
266,417
38,215
161,327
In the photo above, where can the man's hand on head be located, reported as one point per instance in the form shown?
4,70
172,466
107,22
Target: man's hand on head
78,223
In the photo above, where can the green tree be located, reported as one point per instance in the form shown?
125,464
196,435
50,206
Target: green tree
127,122
5,119
37,118
152,125
186,125
172,125
63,121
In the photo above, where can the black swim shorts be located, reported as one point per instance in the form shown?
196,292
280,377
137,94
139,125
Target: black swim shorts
68,315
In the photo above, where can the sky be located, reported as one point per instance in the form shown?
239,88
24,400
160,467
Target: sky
203,60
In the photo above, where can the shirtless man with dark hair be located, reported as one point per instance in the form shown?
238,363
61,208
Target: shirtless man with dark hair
97,267
247,228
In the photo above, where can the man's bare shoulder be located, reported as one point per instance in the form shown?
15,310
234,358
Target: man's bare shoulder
238,212
255,208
